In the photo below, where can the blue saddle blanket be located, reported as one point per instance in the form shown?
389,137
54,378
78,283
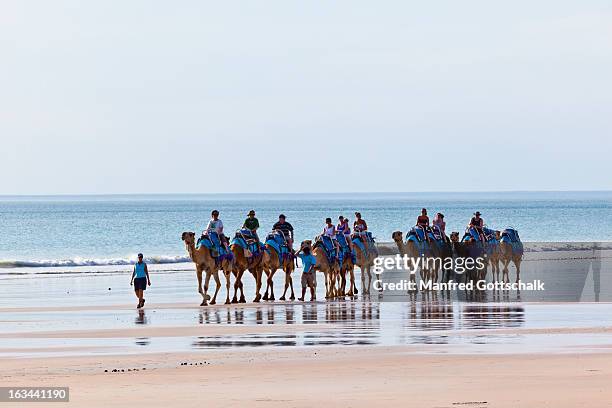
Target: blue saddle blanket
278,241
245,239
358,238
212,241
418,234
510,235
345,249
328,246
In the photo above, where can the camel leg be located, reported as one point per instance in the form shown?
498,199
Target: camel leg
517,263
271,284
257,274
364,287
343,282
369,271
351,291
200,291
242,298
505,275
287,276
218,287
292,297
333,274
237,285
206,281
265,296
227,287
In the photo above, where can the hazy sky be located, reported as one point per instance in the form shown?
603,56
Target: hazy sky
301,96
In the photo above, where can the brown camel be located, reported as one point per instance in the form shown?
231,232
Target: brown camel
330,270
204,261
364,259
510,253
347,267
410,249
253,264
494,258
271,263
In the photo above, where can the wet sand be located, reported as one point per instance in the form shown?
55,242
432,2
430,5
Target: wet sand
349,353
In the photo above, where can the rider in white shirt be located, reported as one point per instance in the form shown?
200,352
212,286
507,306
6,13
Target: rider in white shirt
216,225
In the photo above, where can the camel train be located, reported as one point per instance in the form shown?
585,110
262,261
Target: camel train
337,260
495,247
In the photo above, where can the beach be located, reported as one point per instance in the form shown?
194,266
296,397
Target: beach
357,377
349,353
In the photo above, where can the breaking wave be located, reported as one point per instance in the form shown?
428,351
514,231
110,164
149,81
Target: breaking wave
79,261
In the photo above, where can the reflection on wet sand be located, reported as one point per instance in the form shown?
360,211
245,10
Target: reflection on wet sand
365,323
141,318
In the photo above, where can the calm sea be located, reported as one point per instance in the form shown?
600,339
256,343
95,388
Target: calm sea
110,230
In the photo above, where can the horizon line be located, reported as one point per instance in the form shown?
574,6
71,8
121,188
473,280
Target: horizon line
299,193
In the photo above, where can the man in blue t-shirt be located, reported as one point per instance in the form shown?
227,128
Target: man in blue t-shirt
308,275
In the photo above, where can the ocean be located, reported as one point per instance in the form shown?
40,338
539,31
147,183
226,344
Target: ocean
81,231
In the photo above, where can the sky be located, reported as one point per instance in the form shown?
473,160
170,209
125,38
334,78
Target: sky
304,96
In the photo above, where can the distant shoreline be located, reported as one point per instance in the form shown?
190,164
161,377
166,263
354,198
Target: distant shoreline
332,195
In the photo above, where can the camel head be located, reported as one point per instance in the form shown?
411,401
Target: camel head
454,236
188,238
397,236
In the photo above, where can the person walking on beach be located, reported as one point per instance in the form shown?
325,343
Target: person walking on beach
308,274
140,280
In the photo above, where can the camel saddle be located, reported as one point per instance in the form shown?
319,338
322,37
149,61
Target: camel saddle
278,241
325,242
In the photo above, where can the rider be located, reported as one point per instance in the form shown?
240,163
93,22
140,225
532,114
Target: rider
344,227
330,231
286,229
423,223
477,223
441,224
252,224
215,224
360,227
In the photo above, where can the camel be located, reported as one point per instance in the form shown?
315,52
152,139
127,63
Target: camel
412,250
510,252
364,259
347,267
330,270
204,261
253,264
271,263
494,257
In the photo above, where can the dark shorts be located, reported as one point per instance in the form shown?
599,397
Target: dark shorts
140,284
308,280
